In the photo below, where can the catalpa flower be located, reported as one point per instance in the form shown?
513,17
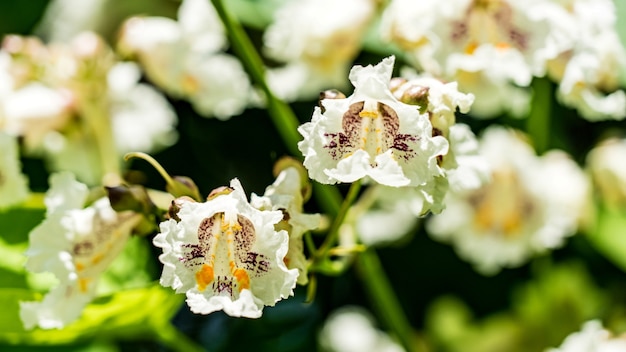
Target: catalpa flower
76,244
285,195
184,57
530,205
353,329
589,59
316,45
371,135
13,184
592,338
497,43
226,255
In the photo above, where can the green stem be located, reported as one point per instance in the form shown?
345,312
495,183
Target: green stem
384,299
281,114
538,121
176,340
283,117
333,231
328,197
95,113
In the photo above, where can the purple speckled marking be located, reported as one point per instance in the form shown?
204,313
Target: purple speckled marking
196,253
346,141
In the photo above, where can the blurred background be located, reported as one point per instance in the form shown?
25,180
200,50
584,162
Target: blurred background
450,305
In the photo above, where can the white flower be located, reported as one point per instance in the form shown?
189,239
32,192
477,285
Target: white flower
13,184
141,117
157,43
497,41
385,214
530,205
184,59
592,338
285,195
607,164
440,99
371,134
200,23
463,166
585,56
590,79
317,45
352,329
226,255
76,244
19,116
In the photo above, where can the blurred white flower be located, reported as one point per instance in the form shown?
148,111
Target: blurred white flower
141,117
316,45
589,58
352,329
226,255
590,79
285,195
86,101
185,58
20,117
13,184
371,135
64,19
384,214
76,244
606,163
530,205
474,42
592,338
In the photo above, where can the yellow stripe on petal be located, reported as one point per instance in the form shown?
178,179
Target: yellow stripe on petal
204,277
242,278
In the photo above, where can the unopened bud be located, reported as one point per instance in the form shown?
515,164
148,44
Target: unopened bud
329,94
183,186
416,95
286,162
176,205
133,198
219,191
396,83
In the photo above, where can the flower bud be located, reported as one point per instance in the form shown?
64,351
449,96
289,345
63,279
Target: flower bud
329,94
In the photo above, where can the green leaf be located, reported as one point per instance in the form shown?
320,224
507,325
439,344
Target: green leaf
609,236
16,223
130,313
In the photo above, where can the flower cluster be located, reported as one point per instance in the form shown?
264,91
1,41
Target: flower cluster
88,103
185,58
495,48
317,54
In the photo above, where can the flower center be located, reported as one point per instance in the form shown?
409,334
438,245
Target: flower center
502,207
93,253
223,258
373,127
488,22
